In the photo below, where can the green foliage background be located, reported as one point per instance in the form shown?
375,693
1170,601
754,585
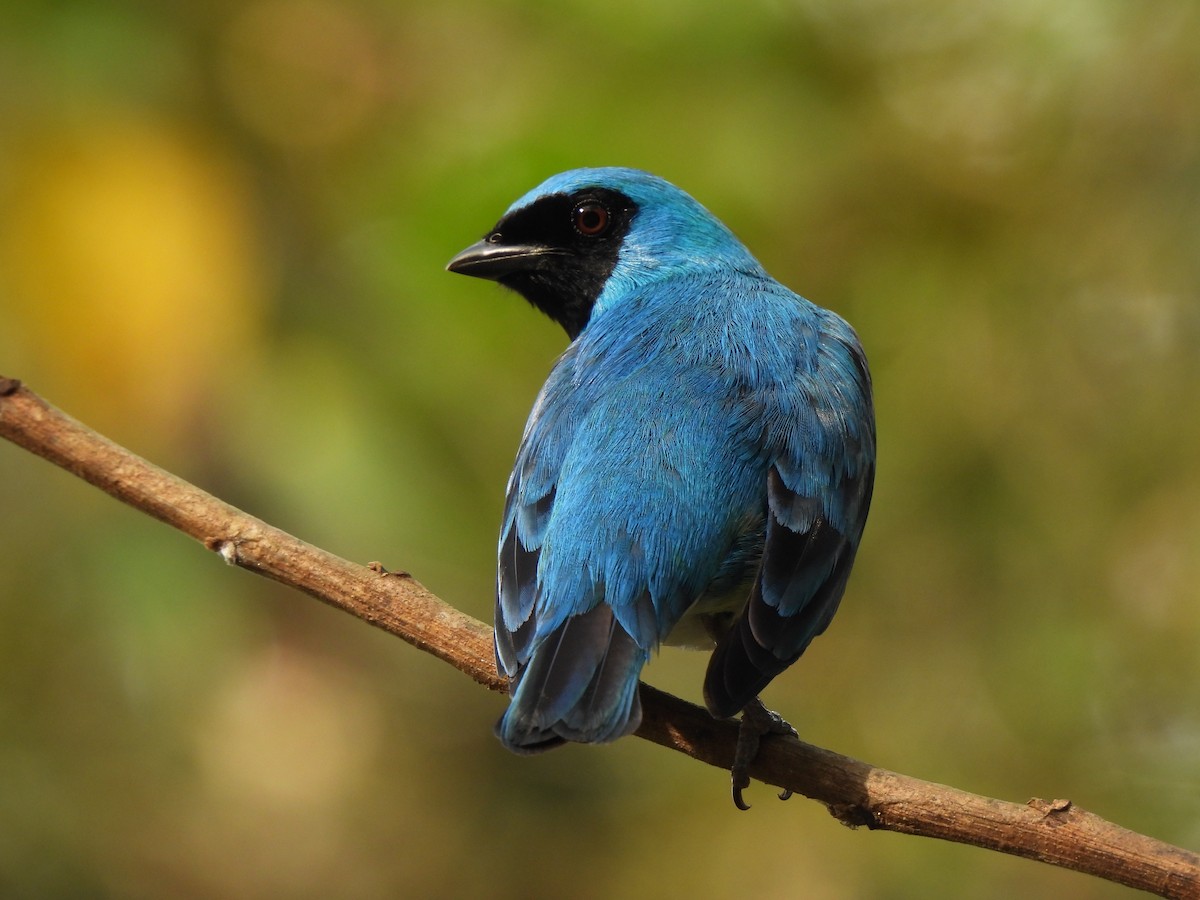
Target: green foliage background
222,232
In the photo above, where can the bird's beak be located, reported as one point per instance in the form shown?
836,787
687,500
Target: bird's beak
493,261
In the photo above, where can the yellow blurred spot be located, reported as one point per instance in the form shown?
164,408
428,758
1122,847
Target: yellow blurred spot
133,273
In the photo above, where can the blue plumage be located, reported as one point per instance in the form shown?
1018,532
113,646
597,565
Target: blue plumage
697,467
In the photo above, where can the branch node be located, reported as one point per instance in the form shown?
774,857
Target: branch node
379,569
1056,810
853,815
226,549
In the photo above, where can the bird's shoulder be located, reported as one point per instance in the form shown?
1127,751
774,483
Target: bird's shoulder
738,342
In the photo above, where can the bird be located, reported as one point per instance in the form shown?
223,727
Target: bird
695,471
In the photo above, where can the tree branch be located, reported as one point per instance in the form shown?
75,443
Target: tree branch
1056,832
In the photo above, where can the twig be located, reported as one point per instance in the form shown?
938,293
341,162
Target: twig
1056,831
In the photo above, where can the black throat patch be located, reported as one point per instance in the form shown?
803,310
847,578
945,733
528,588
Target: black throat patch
565,283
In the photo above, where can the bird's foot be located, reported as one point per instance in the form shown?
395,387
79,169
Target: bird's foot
757,722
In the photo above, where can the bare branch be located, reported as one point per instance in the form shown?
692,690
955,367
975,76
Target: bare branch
1055,831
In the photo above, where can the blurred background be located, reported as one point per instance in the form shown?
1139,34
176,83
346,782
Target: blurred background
222,233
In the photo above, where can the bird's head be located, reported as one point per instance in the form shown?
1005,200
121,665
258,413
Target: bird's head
583,238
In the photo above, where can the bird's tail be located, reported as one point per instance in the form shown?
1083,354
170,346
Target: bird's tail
579,685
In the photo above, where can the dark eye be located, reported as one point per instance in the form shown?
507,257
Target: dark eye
590,218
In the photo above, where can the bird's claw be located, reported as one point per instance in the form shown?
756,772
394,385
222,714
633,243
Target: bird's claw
738,776
757,722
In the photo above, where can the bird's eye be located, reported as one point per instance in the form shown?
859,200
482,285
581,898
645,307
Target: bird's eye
590,218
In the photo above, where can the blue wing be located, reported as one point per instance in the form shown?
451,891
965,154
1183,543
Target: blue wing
818,490
573,667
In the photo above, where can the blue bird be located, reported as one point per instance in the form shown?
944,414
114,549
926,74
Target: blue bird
696,469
